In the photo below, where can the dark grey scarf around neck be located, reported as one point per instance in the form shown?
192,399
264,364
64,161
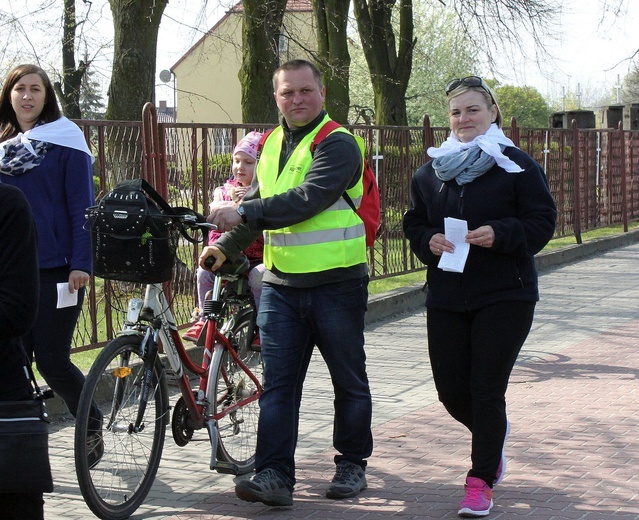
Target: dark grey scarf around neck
17,159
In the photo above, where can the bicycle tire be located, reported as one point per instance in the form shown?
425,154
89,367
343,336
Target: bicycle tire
119,482
237,431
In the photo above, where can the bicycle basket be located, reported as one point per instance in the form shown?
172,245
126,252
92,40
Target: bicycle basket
133,239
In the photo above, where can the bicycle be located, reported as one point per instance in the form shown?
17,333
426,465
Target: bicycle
128,383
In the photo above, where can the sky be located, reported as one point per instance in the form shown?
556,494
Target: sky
588,56
183,24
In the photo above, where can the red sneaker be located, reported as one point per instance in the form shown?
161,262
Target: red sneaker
478,499
256,345
194,332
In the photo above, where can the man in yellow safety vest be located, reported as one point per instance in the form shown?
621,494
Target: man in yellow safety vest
315,285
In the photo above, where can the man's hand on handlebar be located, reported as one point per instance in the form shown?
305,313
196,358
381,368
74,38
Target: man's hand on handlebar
224,216
211,258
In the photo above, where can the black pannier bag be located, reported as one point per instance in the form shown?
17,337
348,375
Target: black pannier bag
24,443
134,234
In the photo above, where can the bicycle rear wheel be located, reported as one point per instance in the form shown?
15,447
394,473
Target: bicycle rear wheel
117,483
237,430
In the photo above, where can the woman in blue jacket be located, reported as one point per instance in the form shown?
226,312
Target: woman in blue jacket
478,319
46,156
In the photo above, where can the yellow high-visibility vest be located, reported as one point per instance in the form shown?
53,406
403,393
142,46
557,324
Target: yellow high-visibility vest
333,238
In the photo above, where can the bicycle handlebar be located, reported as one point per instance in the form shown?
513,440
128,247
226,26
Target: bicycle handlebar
235,267
194,222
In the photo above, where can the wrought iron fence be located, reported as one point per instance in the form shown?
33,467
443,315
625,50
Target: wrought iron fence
593,176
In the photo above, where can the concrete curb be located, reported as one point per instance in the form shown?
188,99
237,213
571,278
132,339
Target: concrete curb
412,297
406,298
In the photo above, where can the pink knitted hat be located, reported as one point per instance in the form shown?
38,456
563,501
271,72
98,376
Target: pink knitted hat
248,144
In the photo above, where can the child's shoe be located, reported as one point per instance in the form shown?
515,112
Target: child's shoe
194,332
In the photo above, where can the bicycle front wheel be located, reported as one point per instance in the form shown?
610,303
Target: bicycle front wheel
117,465
237,430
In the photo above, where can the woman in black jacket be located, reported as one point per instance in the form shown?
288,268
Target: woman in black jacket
478,319
19,286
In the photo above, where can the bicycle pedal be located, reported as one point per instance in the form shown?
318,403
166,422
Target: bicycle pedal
170,377
226,468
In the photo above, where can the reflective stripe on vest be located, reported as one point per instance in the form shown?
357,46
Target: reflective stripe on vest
314,237
331,239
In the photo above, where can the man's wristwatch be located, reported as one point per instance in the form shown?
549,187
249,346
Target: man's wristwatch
242,213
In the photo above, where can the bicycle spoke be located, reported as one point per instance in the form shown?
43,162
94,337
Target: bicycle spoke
237,429
119,481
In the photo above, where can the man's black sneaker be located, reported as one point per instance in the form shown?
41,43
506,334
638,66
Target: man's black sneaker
267,487
348,481
95,448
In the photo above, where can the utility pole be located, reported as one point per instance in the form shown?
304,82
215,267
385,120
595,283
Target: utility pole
578,96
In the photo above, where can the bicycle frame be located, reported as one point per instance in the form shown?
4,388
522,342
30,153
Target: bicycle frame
155,309
125,405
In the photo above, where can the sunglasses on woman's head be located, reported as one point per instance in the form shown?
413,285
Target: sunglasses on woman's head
468,81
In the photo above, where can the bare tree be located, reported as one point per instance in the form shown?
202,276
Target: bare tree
389,58
497,26
386,31
75,26
68,90
136,25
260,42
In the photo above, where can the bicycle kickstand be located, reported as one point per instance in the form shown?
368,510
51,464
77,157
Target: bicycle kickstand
220,466
211,426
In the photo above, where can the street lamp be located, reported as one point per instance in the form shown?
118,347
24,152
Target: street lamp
165,77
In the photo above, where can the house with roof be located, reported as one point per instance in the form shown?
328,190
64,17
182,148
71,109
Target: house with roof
207,83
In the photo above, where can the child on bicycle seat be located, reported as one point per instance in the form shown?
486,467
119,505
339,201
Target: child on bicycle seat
242,170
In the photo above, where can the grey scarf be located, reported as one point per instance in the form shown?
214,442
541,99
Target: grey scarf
464,166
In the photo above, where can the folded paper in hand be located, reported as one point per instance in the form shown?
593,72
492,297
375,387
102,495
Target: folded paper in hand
455,231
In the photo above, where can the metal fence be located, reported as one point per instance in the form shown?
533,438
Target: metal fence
593,176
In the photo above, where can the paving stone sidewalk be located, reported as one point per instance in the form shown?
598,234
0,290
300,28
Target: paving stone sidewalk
573,404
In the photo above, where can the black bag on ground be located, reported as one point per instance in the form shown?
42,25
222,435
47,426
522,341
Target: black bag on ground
24,445
133,234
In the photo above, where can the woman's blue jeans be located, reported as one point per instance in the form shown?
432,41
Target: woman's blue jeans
292,321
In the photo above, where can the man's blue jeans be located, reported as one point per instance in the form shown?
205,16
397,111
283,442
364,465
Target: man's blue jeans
292,321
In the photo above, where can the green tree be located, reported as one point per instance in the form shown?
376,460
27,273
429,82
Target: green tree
492,27
440,54
525,104
630,92
91,104
443,52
